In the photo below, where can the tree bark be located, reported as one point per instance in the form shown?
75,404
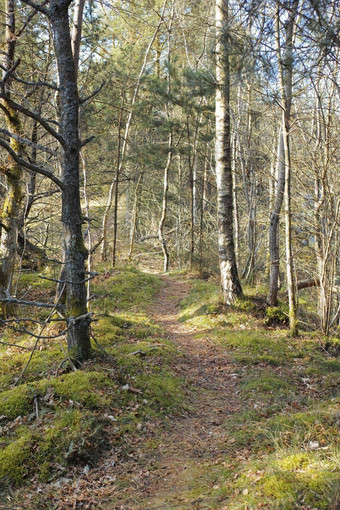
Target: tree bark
74,251
165,206
135,216
12,207
169,158
231,286
274,226
286,92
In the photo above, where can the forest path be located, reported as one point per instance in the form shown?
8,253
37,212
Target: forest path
183,456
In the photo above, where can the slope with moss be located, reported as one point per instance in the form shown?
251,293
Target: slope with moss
56,419
283,442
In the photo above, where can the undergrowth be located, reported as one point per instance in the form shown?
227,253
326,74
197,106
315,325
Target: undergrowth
57,418
282,450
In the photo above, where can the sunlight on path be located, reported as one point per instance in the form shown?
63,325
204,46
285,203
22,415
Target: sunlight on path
197,438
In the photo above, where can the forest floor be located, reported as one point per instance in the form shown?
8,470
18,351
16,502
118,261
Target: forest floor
256,428
163,476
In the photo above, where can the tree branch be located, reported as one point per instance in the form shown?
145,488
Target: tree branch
32,115
94,93
28,142
30,166
37,7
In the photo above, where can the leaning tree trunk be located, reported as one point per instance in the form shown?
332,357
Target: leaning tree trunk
231,286
12,207
75,253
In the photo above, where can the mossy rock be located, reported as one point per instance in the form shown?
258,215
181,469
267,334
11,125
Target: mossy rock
16,402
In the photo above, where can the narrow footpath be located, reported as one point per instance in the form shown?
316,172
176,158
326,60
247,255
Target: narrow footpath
198,438
161,467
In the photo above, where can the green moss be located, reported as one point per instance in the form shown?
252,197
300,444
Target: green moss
318,423
16,402
74,309
294,461
73,436
203,299
32,279
276,316
308,485
82,387
163,390
126,289
13,460
266,386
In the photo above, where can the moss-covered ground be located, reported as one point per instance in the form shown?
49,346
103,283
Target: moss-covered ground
283,442
55,417
218,409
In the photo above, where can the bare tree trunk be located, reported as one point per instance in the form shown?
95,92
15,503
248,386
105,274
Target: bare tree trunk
164,207
203,203
135,216
88,233
111,194
75,253
115,207
235,199
169,159
76,31
179,216
231,286
274,226
286,90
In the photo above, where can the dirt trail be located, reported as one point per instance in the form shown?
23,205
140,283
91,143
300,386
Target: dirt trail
199,436
159,468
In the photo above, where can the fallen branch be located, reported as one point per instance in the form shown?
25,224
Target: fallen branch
27,303
143,353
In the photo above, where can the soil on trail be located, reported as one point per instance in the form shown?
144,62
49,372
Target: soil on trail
195,437
160,468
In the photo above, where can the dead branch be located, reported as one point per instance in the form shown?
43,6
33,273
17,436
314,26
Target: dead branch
15,345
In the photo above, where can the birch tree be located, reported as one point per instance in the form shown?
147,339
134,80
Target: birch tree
231,286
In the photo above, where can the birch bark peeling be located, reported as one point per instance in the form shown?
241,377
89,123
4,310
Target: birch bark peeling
231,286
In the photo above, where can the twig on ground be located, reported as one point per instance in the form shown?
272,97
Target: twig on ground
143,353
